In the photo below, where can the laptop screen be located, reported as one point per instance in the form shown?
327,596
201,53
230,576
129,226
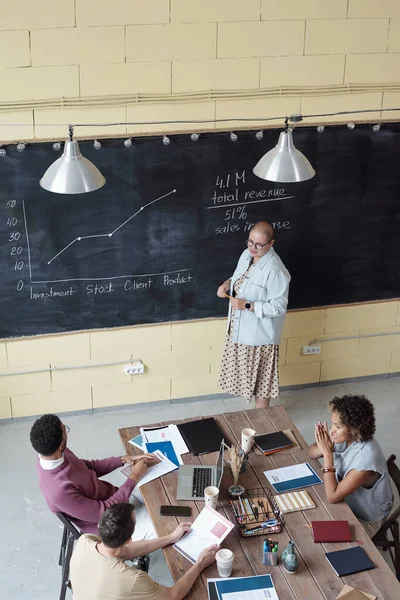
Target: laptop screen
220,464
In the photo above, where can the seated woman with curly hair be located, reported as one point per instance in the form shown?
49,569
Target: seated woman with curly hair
356,469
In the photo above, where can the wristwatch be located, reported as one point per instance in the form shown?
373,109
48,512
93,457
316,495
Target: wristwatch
248,305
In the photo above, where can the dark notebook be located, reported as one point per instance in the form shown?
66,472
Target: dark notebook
331,531
347,562
202,436
269,443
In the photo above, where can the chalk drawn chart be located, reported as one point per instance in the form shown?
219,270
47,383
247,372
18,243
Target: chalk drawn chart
155,242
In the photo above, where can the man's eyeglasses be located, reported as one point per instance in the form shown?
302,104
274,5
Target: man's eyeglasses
67,429
251,244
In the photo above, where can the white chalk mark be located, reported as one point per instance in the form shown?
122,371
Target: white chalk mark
86,237
27,241
130,276
228,204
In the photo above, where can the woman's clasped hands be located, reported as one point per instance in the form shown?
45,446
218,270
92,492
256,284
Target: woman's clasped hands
323,439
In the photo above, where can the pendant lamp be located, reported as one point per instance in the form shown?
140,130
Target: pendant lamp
284,163
72,173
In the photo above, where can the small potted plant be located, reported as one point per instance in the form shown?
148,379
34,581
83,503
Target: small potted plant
238,462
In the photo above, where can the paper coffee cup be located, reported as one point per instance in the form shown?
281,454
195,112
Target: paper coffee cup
224,560
211,496
247,440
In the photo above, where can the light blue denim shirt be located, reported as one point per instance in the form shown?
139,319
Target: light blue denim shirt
267,286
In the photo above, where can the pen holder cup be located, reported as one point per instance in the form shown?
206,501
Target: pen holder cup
270,559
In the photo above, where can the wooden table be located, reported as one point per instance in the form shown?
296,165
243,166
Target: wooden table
315,579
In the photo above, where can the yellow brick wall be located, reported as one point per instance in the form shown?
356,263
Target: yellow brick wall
83,48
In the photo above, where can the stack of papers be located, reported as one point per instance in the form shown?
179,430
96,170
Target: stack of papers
161,468
166,438
258,587
209,528
166,443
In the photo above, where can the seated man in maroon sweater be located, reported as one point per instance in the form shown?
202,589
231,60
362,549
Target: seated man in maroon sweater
72,486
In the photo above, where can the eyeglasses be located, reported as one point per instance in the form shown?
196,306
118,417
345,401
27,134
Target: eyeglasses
67,429
251,244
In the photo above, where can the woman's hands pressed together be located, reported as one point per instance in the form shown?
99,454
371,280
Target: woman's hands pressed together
323,439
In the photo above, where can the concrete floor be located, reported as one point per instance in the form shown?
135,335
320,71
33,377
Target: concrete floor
31,535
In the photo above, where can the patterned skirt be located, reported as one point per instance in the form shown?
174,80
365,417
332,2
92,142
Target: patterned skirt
250,371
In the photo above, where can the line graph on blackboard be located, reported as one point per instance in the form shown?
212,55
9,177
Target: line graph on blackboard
110,234
64,254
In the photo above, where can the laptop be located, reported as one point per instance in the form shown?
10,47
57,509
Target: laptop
202,436
193,479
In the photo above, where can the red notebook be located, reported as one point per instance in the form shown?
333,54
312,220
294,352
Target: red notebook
331,531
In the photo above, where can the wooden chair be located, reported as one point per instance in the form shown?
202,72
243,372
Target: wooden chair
380,539
70,535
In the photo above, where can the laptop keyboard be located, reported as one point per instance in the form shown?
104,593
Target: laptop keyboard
201,480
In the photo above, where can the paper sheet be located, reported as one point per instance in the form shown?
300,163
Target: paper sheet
167,449
160,469
177,440
288,473
159,434
138,442
168,433
209,528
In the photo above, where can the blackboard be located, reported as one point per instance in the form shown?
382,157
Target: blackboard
338,233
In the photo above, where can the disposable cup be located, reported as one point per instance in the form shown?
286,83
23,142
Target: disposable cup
247,440
211,496
224,560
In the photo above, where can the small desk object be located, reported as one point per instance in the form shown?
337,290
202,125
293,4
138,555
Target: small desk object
315,578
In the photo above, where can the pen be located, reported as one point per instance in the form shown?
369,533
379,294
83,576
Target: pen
261,526
228,296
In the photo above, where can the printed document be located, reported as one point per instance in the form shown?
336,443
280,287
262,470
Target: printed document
161,468
167,433
257,587
293,477
209,528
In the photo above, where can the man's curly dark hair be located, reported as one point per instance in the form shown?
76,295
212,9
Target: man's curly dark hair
46,434
357,413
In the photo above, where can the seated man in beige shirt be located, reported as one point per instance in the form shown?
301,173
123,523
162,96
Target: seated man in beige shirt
98,569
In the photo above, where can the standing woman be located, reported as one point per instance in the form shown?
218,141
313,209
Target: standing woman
258,292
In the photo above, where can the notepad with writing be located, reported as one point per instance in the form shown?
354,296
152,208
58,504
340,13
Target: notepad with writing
349,561
269,443
331,531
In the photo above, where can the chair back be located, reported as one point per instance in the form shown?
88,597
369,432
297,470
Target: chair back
73,531
394,473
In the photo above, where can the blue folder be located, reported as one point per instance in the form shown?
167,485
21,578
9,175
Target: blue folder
243,584
166,448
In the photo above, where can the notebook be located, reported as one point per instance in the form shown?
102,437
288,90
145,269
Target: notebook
202,436
293,501
269,443
331,531
293,477
349,561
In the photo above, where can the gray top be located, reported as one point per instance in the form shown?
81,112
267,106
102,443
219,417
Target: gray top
370,504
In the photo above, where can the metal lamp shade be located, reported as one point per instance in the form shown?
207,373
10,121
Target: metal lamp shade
284,164
72,173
